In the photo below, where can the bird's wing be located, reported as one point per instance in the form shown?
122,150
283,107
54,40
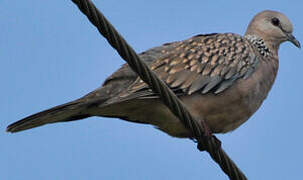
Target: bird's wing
204,63
124,77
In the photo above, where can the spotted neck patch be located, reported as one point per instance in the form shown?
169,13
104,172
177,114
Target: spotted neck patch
259,44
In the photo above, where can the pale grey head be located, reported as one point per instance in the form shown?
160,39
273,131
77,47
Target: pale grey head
273,27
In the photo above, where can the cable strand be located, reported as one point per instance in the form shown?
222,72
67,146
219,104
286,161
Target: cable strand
211,144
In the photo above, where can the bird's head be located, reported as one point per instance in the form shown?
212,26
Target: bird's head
273,27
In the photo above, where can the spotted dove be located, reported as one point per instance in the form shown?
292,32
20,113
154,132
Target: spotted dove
221,78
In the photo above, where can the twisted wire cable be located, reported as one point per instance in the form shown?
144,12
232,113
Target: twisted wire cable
209,143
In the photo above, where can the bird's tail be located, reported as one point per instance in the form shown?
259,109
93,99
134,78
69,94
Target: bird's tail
66,112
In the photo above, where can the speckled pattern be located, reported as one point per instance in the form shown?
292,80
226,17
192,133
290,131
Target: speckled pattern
221,78
204,63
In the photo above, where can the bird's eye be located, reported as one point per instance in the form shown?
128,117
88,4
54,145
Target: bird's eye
275,21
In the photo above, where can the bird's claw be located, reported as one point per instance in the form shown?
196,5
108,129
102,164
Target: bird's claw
205,142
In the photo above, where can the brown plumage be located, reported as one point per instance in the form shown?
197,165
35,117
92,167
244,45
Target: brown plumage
209,64
221,78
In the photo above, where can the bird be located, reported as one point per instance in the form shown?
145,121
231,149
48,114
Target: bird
222,79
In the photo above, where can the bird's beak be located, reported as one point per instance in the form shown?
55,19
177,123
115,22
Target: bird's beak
293,40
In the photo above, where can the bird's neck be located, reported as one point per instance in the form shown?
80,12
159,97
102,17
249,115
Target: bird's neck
259,43
264,47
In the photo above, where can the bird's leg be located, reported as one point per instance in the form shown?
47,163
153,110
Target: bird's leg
207,131
207,137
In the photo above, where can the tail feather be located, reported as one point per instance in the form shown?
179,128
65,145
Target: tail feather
62,113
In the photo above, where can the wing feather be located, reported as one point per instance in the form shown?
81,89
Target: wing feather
206,64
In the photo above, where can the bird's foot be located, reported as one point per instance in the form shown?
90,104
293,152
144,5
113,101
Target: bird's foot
207,141
208,137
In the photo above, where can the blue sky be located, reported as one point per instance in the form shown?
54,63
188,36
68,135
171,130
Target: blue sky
51,54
